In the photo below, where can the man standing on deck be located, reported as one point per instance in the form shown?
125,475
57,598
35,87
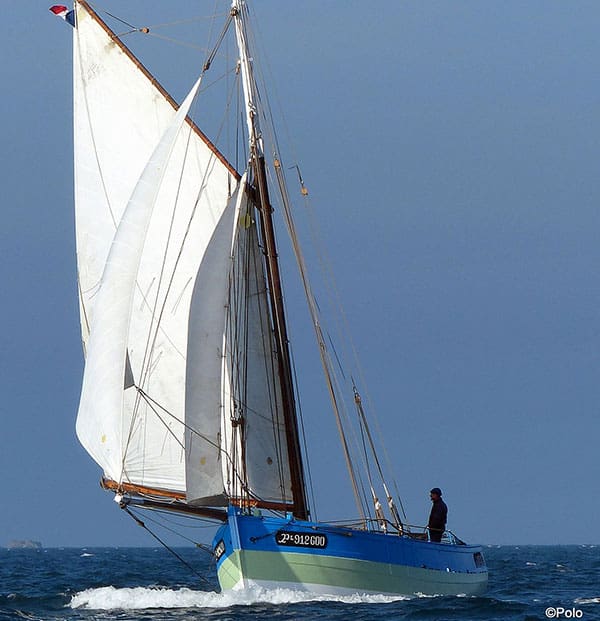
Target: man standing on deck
438,515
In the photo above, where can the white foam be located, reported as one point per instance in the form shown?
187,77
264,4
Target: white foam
589,600
139,598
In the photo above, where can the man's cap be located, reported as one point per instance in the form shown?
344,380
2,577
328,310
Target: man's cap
436,490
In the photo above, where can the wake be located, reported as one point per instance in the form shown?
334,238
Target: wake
139,598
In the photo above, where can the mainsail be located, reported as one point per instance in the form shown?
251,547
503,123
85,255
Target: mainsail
180,393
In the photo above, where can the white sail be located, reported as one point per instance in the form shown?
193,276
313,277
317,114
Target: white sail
174,310
136,313
259,449
204,405
235,438
120,113
101,407
119,117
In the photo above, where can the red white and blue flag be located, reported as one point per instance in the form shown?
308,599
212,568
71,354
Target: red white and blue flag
62,11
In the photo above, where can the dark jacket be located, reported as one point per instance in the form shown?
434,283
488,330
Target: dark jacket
438,516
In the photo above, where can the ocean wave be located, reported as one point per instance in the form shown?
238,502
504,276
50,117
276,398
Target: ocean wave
139,598
587,600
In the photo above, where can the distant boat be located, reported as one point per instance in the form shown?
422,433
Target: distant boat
24,544
189,402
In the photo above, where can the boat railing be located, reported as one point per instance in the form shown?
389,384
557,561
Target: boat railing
412,531
423,533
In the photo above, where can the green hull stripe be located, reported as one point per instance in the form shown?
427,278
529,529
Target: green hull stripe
344,573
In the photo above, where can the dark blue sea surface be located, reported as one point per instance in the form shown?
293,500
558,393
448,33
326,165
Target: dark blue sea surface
146,583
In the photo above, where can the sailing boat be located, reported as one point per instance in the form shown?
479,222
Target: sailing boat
188,402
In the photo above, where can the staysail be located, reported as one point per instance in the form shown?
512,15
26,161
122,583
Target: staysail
235,436
181,393
205,404
251,364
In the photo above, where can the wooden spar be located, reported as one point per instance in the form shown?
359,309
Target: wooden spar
176,501
156,83
204,512
140,489
284,366
300,508
162,499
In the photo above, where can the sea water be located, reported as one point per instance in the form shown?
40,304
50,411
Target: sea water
526,582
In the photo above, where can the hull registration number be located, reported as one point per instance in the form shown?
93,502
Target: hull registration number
300,540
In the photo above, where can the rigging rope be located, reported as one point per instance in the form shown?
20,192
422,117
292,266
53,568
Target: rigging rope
201,546
139,522
217,45
336,303
197,18
148,29
311,488
121,20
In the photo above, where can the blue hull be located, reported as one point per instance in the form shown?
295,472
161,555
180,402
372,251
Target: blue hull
271,552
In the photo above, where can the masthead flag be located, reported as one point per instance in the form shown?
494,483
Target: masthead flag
62,11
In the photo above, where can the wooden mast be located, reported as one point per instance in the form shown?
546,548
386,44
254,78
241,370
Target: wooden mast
257,161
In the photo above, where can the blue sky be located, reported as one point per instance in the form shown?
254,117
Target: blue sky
451,151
